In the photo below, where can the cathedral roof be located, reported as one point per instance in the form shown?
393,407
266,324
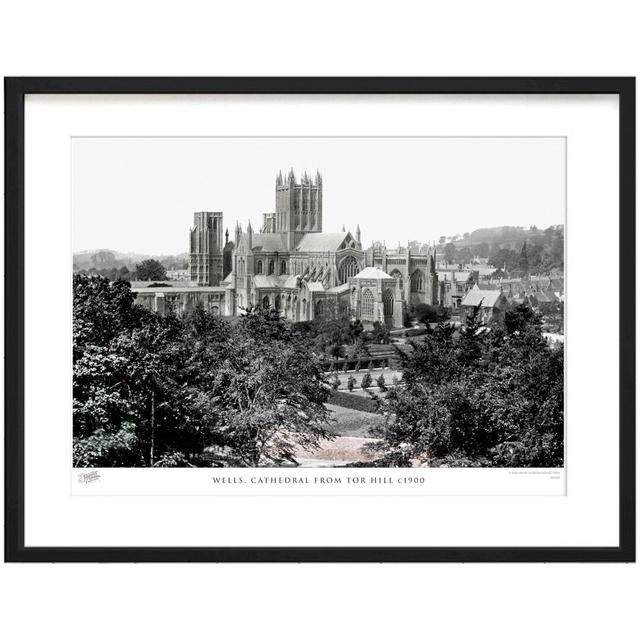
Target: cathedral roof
267,242
271,282
341,288
322,242
373,273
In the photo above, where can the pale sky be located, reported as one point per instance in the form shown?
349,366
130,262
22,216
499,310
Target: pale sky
139,194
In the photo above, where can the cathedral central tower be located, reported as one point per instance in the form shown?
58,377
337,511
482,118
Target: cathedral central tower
298,206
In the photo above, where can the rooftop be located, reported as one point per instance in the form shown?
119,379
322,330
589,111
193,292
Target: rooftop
483,298
373,273
322,242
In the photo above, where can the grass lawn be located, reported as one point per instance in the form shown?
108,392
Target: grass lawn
350,422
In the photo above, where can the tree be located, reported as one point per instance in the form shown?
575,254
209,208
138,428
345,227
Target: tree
150,269
502,258
482,250
426,312
366,381
381,383
464,255
351,383
450,252
523,260
478,397
380,334
269,392
153,390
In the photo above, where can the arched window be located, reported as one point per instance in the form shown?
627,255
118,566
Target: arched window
319,309
265,302
278,303
271,267
283,266
387,300
367,303
398,276
259,266
348,268
417,281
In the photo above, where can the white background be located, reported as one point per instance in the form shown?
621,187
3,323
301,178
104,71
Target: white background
401,38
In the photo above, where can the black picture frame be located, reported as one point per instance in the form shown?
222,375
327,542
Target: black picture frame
15,91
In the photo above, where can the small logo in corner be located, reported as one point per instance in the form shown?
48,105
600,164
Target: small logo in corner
88,476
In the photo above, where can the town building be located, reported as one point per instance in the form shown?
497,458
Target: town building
491,304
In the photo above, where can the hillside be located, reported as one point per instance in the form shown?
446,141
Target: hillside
513,248
110,259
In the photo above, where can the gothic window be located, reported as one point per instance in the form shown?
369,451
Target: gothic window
265,302
283,266
319,309
398,276
417,281
259,267
367,303
348,269
271,267
387,300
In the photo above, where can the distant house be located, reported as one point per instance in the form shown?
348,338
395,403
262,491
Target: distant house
546,301
492,304
453,285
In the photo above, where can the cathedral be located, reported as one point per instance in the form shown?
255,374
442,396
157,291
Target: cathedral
292,265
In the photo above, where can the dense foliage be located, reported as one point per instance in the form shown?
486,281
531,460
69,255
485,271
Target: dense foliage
150,269
194,390
478,396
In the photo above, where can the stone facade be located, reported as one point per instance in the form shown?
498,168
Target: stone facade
182,299
205,250
414,270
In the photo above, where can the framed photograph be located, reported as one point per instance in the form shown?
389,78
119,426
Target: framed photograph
320,319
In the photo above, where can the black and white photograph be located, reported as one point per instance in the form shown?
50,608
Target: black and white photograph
335,302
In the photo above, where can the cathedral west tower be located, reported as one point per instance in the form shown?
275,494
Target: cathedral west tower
205,248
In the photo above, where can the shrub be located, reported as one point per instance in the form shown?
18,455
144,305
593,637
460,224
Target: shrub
381,383
358,365
345,368
351,383
370,367
335,382
366,381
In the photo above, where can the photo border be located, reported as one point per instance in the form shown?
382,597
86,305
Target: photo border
15,91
